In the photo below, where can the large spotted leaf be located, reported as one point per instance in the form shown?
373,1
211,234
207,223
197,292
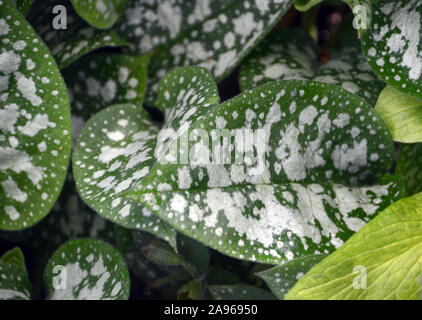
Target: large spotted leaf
381,261
100,80
292,185
87,269
293,54
14,282
402,113
409,167
35,128
114,152
212,34
73,38
280,279
393,44
99,13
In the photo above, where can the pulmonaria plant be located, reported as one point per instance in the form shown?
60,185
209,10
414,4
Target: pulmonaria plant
285,187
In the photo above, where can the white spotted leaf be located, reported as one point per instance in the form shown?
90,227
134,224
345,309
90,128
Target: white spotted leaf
322,148
100,14
212,34
402,113
14,256
87,269
293,54
383,261
35,128
280,279
14,282
393,44
113,153
409,167
239,292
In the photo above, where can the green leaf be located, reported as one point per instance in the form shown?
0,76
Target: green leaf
239,292
234,207
402,114
382,261
70,41
213,34
115,162
100,80
194,253
87,269
190,291
293,54
100,14
14,282
22,5
35,128
281,279
409,167
14,256
392,45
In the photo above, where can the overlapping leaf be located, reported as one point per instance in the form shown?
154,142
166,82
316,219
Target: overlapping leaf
409,167
293,54
239,292
87,269
382,261
281,279
402,113
14,282
393,44
72,39
212,34
35,128
99,13
22,5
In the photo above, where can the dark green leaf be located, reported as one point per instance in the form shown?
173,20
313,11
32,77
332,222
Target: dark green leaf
239,292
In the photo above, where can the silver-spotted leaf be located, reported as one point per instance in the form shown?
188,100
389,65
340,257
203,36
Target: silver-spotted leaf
402,113
14,282
293,54
409,167
281,279
114,152
314,146
212,34
382,261
393,44
87,269
239,292
100,14
14,256
35,127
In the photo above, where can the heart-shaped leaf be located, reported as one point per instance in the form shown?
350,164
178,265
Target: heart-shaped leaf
293,54
239,292
212,34
409,167
14,282
99,13
87,269
381,261
402,113
120,141
393,44
35,128
281,279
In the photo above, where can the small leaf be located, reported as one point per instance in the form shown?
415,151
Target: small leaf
293,54
100,14
14,282
190,291
281,279
35,126
213,34
239,292
87,269
409,167
402,114
22,5
381,261
14,256
392,45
